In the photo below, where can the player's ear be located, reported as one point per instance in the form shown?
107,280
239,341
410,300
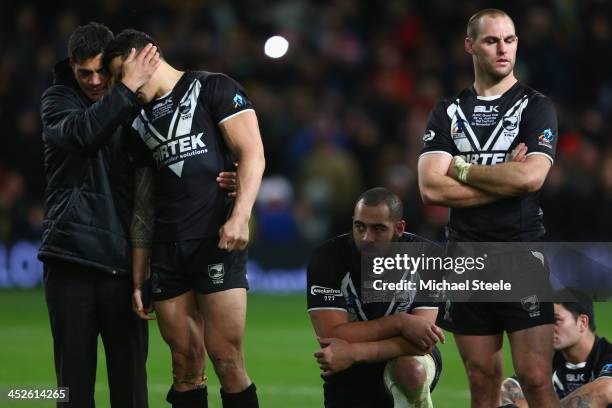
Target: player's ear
468,45
583,320
400,227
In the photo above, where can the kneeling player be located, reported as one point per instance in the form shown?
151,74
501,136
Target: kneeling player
397,338
191,127
582,364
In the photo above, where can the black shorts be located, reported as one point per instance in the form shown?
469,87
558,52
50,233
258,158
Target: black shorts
487,319
177,267
363,386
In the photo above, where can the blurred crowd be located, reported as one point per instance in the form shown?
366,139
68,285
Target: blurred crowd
344,109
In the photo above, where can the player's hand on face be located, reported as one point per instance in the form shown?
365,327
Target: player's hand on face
519,154
234,234
335,355
141,311
138,68
422,333
228,180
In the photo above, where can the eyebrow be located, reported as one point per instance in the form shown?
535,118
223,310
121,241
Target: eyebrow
89,71
492,37
369,225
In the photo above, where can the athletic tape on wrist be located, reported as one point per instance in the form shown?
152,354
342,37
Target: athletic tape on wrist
461,168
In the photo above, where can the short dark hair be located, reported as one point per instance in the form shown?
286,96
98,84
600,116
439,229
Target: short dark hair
88,40
122,44
472,25
583,307
380,195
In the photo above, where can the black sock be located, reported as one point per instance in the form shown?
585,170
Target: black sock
197,398
243,399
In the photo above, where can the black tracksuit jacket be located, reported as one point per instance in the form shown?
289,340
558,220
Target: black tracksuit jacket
88,198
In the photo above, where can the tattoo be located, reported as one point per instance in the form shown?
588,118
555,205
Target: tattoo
511,392
578,401
143,217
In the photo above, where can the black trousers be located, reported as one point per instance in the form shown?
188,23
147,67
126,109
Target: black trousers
84,303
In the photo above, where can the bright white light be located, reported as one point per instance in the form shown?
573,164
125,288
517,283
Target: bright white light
276,46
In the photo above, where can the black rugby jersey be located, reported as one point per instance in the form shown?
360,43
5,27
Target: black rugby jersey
180,138
485,130
568,377
334,281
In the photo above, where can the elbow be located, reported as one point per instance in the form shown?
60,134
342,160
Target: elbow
430,196
531,183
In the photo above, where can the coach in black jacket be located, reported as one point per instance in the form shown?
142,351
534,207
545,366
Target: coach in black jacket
85,246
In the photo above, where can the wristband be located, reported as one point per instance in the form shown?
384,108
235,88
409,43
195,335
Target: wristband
461,168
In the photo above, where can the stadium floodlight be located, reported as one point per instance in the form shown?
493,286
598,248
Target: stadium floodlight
276,47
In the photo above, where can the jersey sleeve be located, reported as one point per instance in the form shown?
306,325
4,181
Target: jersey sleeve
323,282
138,152
225,97
606,367
436,138
539,127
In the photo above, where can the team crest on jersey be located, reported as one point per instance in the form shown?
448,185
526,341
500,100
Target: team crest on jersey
546,138
185,107
216,272
238,101
510,123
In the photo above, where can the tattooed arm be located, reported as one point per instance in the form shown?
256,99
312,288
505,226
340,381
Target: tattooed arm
513,394
141,232
596,394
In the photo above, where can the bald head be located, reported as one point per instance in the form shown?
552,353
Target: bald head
473,26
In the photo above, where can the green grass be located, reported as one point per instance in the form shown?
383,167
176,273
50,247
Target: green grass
279,345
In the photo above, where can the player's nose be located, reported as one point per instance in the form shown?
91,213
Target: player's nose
96,79
368,236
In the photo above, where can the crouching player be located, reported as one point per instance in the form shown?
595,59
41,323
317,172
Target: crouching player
582,364
396,339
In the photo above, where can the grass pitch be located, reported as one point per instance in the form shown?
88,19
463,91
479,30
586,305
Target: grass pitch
279,346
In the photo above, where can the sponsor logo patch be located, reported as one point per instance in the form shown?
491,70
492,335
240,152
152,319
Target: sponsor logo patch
323,291
429,135
546,138
238,101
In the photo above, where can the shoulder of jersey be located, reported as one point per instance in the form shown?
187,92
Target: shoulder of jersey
410,237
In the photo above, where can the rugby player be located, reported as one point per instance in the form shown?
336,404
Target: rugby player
466,165
397,339
193,125
582,363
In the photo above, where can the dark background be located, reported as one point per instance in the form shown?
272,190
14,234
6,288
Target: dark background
343,111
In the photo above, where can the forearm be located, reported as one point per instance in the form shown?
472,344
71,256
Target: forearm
505,179
140,266
251,166
369,331
384,350
143,215
67,125
448,192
